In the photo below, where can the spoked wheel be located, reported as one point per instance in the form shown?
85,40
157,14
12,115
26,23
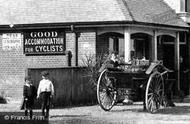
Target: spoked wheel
154,92
106,93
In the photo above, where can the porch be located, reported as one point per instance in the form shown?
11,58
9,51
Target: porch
142,42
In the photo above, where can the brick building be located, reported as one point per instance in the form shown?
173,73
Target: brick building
83,27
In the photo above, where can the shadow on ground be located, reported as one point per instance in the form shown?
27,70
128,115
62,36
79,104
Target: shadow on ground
69,116
177,110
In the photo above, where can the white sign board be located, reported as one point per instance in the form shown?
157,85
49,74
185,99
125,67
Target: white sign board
11,41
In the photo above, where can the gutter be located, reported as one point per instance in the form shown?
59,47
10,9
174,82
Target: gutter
93,24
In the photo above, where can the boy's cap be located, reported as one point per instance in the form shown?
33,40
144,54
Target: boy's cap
44,73
27,78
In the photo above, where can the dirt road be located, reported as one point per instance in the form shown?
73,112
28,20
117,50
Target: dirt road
128,114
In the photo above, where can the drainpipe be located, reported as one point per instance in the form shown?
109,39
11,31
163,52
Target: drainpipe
77,35
69,56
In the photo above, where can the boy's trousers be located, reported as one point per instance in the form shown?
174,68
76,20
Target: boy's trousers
45,96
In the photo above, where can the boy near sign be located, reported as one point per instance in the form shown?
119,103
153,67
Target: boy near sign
45,92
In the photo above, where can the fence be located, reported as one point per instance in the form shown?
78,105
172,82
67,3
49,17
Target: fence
72,86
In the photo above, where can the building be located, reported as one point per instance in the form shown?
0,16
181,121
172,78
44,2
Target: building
182,8
38,35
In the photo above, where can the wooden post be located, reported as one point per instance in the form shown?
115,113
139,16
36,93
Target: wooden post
127,39
26,71
154,46
188,43
177,59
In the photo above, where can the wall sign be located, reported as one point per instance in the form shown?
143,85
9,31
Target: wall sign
44,42
11,41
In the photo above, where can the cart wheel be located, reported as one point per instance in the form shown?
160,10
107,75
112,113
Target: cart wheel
106,93
154,92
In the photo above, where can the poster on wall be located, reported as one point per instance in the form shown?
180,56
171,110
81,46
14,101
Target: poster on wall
11,41
44,42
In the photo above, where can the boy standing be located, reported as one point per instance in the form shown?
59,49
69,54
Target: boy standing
45,92
29,93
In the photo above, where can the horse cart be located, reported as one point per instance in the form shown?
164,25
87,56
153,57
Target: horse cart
153,79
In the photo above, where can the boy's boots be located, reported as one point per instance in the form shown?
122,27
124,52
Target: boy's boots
31,114
26,113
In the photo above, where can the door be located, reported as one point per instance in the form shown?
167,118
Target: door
184,70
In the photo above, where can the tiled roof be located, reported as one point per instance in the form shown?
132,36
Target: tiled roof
153,11
48,11
67,11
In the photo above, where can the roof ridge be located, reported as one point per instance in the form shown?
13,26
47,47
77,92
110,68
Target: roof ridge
125,9
130,13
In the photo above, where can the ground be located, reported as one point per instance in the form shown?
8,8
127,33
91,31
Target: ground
120,114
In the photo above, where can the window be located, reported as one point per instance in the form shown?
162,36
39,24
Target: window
116,44
188,6
182,37
141,48
183,5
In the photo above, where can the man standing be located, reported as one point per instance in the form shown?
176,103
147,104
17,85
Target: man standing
45,92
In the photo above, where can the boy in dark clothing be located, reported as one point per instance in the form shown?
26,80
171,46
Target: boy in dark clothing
29,94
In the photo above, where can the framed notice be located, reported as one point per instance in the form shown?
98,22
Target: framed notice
44,42
11,41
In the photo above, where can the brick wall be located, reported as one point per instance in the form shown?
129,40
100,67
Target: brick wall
12,70
13,63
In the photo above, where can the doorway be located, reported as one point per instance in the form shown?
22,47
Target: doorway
166,50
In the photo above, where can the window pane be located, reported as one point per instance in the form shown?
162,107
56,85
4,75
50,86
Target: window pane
111,44
121,47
